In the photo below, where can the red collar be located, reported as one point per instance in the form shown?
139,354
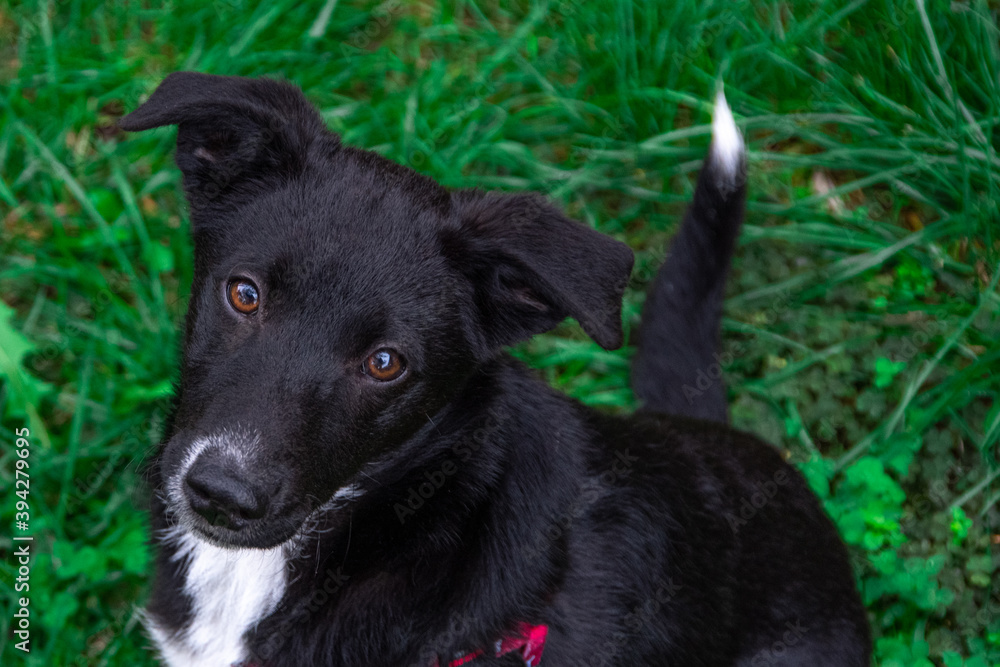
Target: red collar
527,640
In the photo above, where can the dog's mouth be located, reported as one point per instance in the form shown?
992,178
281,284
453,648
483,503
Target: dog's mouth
252,536
284,529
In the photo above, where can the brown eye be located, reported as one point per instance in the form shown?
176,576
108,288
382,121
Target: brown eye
243,296
384,365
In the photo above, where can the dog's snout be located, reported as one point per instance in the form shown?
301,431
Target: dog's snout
222,495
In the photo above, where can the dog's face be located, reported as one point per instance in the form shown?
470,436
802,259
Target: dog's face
339,302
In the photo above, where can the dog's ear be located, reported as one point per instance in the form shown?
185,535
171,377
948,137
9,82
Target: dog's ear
531,267
233,133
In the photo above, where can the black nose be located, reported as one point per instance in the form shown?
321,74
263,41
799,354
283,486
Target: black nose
222,495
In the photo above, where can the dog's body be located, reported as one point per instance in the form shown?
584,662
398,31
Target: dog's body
357,474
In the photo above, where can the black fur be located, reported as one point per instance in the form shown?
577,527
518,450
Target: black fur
676,368
487,498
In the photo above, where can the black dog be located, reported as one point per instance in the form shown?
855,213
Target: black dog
357,474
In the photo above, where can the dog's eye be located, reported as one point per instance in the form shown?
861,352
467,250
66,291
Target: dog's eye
243,296
384,364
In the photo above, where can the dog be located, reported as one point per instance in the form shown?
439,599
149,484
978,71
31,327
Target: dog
355,472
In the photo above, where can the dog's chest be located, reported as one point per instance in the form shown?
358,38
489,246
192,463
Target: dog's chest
230,591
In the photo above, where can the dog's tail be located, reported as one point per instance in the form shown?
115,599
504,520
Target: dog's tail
677,369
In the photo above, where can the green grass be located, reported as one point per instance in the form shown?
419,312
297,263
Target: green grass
863,325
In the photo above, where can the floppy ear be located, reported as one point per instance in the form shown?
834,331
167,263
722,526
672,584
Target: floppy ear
233,133
531,267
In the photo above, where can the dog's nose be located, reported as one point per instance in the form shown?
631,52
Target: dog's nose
223,496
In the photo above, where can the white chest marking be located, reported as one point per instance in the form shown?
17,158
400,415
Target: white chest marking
230,591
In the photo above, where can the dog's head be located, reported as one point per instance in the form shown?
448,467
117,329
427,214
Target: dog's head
339,301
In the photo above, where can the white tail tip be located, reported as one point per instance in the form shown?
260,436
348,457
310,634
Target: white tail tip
727,144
